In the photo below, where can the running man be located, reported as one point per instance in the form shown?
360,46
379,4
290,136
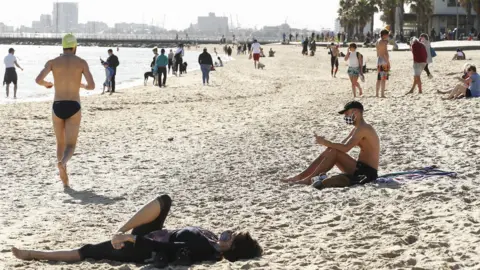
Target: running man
334,58
67,72
383,63
361,171
10,73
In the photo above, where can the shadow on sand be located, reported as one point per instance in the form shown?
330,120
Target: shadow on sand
89,197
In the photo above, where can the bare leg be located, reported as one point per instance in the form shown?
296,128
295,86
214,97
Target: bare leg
383,84
7,89
59,128
14,91
354,84
342,160
147,214
419,83
377,88
413,86
457,91
63,255
360,91
310,168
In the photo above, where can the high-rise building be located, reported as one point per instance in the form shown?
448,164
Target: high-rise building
213,24
65,16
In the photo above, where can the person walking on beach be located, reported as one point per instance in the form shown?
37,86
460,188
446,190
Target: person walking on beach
170,60
361,171
206,62
67,72
178,59
10,73
383,62
256,52
355,63
425,41
161,68
419,63
113,63
334,53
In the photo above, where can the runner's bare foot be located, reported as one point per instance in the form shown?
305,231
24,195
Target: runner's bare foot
63,173
21,254
409,92
383,97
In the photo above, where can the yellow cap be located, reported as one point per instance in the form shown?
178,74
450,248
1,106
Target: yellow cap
69,41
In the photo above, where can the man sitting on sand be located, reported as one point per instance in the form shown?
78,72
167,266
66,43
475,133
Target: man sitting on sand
67,72
354,172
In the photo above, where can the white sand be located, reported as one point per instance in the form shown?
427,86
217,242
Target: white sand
232,144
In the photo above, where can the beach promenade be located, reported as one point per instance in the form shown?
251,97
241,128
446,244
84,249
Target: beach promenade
221,150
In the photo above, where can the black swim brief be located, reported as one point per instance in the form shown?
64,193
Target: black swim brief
65,109
334,61
10,76
363,174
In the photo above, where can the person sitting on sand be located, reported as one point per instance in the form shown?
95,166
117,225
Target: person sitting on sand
459,55
149,242
471,87
271,53
67,72
355,172
464,80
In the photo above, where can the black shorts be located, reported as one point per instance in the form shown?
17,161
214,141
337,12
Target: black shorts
334,61
363,174
10,76
468,93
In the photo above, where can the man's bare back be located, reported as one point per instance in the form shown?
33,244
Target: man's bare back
334,50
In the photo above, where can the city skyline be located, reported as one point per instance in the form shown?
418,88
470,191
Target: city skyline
252,14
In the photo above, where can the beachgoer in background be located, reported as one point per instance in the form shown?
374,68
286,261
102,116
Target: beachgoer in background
383,62
355,63
161,67
229,51
256,52
244,48
305,47
271,53
424,39
215,51
113,63
108,78
419,62
67,74
149,243
178,59
334,53
471,87
459,55
220,62
10,73
170,60
206,62
249,46
362,171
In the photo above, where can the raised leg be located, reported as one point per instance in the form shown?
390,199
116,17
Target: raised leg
342,160
14,91
7,89
150,218
60,255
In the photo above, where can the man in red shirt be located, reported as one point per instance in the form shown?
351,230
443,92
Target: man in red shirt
419,62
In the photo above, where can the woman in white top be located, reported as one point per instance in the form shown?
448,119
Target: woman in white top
425,41
355,64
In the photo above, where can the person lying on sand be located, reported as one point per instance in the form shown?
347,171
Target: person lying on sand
67,72
150,243
355,172
471,87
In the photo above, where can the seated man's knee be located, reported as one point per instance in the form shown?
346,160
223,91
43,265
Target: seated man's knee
164,200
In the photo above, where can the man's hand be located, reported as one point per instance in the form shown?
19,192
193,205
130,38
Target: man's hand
48,84
320,140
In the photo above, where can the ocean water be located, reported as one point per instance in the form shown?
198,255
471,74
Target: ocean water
134,62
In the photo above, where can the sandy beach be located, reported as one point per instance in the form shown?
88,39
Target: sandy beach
232,143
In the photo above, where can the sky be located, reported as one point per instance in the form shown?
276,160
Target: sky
311,14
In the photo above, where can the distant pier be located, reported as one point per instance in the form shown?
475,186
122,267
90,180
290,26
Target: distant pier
109,40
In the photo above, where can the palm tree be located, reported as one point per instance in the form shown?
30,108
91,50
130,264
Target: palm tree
467,5
424,10
389,11
346,15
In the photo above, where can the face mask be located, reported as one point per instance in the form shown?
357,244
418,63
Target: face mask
350,119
